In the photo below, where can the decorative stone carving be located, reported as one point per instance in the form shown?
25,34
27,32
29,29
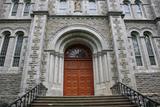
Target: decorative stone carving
77,6
57,24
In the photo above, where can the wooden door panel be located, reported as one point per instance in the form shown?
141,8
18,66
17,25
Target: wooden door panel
85,64
78,81
71,64
78,72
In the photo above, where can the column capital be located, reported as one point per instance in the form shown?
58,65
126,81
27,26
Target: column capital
61,55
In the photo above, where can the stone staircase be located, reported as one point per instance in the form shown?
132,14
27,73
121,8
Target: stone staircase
86,101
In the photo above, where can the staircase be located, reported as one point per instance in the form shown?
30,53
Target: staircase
87,101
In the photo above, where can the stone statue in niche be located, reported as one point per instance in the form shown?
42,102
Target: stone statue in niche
77,6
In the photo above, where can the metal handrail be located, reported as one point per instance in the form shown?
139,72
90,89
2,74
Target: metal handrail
134,96
29,97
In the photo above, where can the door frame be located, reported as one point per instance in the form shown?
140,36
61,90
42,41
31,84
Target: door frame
79,59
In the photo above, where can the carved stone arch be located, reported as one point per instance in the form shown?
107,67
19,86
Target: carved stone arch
150,29
79,26
74,35
151,32
87,30
3,32
94,44
20,31
79,41
6,29
6,32
134,31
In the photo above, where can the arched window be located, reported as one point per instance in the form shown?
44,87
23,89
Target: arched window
139,10
63,6
78,52
136,49
4,47
126,7
15,7
92,6
18,48
138,7
149,48
27,7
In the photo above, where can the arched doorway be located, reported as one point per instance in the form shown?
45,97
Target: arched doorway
78,71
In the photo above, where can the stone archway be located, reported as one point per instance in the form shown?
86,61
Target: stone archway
69,37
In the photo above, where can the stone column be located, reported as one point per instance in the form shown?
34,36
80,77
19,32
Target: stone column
95,66
57,84
119,36
51,68
56,64
100,68
105,67
35,46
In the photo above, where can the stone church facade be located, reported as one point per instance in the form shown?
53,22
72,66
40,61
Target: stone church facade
122,35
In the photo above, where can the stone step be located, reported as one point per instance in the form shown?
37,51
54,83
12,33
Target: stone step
81,98
83,101
79,101
83,104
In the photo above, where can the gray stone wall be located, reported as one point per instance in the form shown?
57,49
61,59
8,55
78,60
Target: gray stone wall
10,77
1,7
9,87
56,24
149,84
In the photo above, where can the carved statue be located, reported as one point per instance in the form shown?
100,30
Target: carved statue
77,5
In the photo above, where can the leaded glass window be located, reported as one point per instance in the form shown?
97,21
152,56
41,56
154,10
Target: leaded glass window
136,49
92,6
4,48
63,6
149,48
14,9
126,9
18,48
27,9
78,52
139,10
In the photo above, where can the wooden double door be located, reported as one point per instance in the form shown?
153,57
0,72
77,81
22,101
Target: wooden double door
78,72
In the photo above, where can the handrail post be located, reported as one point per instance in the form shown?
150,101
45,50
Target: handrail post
29,97
134,96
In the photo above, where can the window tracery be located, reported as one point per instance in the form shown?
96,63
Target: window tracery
14,8
78,51
27,7
4,48
136,49
149,48
18,48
